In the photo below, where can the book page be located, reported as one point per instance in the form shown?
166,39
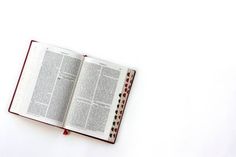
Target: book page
95,98
47,83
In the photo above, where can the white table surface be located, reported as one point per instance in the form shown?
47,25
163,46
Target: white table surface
183,102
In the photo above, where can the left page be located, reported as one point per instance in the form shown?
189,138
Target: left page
47,83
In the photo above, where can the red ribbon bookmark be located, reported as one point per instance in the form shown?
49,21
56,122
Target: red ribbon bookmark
66,132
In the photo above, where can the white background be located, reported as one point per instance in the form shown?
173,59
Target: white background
183,102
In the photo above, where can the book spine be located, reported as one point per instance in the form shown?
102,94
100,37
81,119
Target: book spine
121,105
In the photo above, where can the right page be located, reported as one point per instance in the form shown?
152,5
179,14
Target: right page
95,98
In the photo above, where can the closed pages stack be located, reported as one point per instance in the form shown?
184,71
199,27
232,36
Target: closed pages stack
72,91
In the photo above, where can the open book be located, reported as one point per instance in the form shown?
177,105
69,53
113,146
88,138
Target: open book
75,92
